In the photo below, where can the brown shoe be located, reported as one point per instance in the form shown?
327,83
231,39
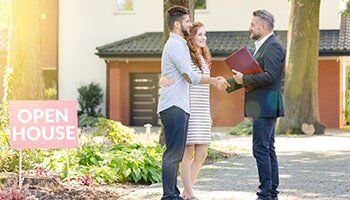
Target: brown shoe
274,198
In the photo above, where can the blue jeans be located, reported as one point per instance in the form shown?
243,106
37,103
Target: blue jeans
175,123
265,155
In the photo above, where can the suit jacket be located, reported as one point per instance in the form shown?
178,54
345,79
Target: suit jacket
265,100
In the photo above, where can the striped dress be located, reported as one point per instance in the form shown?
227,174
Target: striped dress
199,125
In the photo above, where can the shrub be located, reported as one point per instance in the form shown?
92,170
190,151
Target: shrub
89,155
4,120
4,139
137,163
119,163
85,120
347,93
90,97
243,128
9,159
59,162
50,93
7,77
115,131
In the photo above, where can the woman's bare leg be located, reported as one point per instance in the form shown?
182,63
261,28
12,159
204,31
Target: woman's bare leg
185,171
200,154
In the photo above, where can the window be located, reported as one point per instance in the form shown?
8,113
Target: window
200,5
125,6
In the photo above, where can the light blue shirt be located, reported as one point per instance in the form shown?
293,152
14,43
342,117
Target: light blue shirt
176,61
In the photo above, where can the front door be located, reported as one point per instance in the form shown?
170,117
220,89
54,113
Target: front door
144,98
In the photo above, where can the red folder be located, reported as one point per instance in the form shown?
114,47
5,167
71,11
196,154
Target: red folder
243,61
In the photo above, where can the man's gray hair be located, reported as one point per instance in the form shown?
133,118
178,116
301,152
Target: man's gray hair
266,16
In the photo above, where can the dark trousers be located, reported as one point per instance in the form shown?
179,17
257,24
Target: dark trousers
265,155
175,123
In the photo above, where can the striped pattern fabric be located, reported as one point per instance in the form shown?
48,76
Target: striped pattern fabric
199,126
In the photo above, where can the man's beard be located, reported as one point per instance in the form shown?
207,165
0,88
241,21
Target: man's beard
184,31
254,36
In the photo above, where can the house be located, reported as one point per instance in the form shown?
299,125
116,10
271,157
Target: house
134,69
85,25
71,31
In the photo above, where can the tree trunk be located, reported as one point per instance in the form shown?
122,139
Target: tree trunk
170,3
301,77
166,5
24,51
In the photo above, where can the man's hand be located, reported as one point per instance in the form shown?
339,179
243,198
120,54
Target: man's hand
222,84
238,76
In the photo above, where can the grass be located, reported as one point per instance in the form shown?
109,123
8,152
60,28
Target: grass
245,127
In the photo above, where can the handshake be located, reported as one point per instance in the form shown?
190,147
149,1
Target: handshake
218,82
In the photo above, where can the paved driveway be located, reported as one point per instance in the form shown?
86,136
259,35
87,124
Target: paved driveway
315,167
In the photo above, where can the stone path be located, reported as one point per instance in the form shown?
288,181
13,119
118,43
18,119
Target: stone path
315,167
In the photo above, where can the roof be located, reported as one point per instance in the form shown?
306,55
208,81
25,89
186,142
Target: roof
221,44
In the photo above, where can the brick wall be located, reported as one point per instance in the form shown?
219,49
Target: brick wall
226,109
119,88
329,92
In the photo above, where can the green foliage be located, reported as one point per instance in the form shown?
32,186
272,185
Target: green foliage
346,12
200,4
4,121
8,157
118,163
115,131
4,139
104,174
89,155
61,162
125,161
85,120
243,128
293,131
214,154
9,160
347,95
50,93
90,97
4,112
137,163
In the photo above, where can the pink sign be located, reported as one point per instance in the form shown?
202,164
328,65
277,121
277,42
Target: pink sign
43,124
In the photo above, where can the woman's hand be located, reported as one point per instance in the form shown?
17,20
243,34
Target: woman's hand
165,82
